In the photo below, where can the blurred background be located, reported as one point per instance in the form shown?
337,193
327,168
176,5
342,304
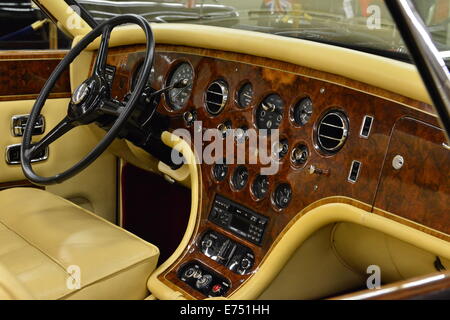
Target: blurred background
24,26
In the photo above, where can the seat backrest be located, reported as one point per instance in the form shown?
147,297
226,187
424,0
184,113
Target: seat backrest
11,288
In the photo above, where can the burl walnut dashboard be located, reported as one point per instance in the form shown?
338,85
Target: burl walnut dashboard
340,141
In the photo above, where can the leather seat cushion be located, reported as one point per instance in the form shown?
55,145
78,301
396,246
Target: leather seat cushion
42,235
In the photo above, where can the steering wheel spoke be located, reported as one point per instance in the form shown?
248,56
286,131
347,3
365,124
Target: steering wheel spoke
100,61
57,132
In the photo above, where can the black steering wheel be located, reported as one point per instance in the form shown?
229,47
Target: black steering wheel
91,100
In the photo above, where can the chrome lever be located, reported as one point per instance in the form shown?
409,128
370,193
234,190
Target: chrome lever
19,122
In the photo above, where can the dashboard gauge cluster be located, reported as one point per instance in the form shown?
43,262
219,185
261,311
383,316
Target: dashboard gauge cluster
268,115
270,112
178,97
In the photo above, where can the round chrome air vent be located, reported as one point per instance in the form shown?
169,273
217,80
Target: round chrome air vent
332,131
216,97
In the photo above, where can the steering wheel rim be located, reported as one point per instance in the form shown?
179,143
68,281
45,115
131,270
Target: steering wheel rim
84,106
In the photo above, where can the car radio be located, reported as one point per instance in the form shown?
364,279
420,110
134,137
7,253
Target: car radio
238,219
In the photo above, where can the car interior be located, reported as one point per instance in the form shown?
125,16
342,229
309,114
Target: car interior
94,206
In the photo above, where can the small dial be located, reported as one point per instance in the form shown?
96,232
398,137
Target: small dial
260,187
303,111
280,149
220,171
178,97
300,155
270,112
240,177
245,95
282,196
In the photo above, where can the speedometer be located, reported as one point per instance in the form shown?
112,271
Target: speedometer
270,112
179,96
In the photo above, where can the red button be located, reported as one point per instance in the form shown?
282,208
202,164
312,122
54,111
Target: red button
217,288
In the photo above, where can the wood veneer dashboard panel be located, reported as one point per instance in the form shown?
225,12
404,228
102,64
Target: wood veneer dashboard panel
420,190
292,83
24,73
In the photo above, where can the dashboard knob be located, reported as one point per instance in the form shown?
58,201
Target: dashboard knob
189,273
189,117
207,243
203,282
300,155
282,196
223,128
280,149
269,107
314,170
245,263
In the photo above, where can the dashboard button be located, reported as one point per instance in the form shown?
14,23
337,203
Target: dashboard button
217,289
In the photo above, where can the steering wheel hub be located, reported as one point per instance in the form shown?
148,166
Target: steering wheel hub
80,94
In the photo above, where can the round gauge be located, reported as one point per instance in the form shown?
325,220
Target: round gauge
282,196
178,97
270,112
260,186
245,95
240,178
303,111
220,171
280,148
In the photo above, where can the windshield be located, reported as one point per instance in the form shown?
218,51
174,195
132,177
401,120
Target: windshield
359,24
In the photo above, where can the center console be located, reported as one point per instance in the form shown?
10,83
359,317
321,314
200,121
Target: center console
224,252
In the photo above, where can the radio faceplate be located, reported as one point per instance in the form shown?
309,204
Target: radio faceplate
238,219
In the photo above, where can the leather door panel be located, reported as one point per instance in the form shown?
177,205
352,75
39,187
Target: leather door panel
22,75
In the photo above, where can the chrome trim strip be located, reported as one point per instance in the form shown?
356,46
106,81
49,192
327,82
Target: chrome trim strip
370,127
351,170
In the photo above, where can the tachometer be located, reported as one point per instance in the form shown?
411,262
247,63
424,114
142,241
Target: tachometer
270,112
178,97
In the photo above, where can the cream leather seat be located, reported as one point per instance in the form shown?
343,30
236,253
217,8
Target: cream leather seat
42,237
